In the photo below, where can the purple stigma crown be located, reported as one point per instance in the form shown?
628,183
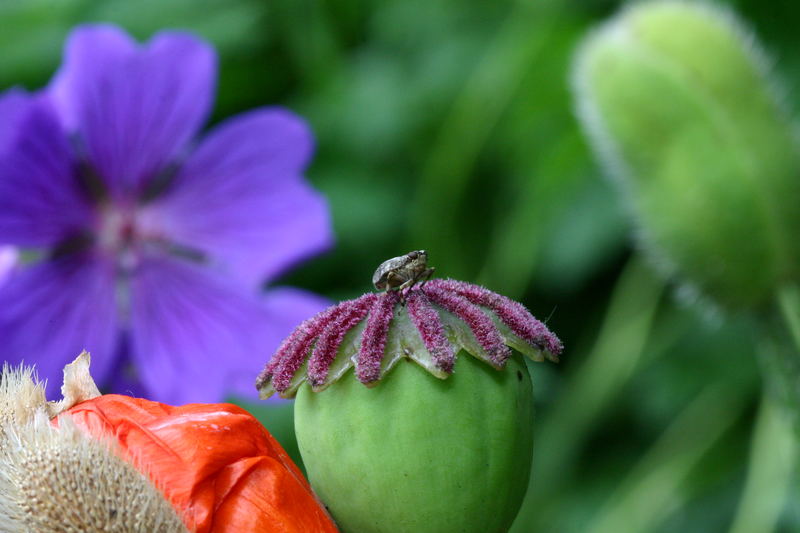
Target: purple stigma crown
427,323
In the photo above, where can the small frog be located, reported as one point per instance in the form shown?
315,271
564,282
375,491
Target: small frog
399,273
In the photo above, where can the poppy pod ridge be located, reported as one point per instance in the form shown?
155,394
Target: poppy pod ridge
115,463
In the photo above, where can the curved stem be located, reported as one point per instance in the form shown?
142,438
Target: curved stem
780,351
789,305
774,448
497,77
772,459
591,391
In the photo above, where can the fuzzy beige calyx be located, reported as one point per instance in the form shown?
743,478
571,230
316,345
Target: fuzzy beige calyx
21,396
55,478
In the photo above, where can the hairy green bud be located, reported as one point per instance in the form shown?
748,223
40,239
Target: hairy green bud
676,100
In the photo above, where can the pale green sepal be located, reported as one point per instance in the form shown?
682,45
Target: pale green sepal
459,334
266,391
523,347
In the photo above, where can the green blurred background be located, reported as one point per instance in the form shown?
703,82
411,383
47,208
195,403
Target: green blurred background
449,126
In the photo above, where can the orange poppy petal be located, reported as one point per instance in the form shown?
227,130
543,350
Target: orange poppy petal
275,501
216,463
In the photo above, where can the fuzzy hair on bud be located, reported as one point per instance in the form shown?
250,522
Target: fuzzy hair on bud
21,397
54,478
681,107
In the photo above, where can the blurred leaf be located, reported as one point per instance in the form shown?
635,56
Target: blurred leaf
229,24
472,117
34,30
653,487
590,392
31,38
308,38
773,464
587,234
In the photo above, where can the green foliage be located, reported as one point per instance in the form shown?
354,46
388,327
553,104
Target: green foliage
449,125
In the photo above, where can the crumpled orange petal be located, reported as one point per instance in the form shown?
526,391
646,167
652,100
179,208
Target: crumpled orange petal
216,463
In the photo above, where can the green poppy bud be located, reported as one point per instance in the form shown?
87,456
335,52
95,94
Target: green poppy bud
413,413
676,101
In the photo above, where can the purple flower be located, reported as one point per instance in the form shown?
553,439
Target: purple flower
8,260
152,247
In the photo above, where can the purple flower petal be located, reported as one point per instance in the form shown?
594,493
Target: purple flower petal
125,379
88,49
13,105
285,308
52,310
193,334
8,262
241,197
41,201
134,108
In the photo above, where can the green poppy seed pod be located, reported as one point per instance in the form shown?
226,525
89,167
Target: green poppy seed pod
676,101
439,440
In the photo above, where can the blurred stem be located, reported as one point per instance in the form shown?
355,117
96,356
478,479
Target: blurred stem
654,486
475,112
593,388
310,39
773,456
781,350
772,461
789,304
508,267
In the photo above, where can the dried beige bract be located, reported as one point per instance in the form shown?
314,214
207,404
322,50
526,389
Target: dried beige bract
78,385
59,480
